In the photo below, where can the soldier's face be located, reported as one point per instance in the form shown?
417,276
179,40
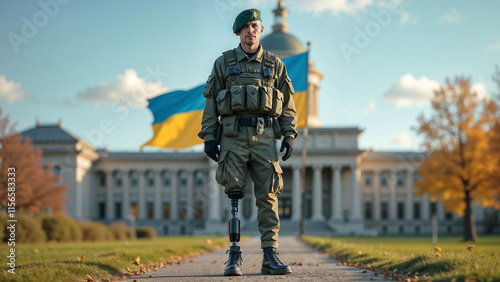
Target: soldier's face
251,32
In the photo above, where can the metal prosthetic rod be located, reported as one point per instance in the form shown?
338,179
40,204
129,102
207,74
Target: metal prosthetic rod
234,222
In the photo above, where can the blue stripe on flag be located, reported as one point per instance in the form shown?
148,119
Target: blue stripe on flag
296,66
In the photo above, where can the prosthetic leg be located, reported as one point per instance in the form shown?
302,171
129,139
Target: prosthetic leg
233,267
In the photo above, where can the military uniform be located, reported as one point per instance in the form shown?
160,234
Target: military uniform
240,98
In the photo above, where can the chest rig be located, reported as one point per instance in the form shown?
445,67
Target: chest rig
250,88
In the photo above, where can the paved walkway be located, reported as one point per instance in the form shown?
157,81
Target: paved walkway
307,265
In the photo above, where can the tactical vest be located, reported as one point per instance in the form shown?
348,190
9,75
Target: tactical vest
250,90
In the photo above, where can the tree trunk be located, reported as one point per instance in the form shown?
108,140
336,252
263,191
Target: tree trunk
469,223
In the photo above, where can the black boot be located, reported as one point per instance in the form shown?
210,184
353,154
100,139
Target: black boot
271,264
233,267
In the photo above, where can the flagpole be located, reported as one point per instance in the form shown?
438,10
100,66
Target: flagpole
304,151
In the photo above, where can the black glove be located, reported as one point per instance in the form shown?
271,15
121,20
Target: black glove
212,150
288,144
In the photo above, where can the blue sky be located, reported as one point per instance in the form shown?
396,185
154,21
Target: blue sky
93,64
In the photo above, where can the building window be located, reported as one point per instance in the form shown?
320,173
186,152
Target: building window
383,178
433,207
285,207
183,178
416,177
118,210
199,178
134,209
417,229
401,230
101,178
448,216
198,209
134,178
166,210
166,178
401,210
182,210
368,178
150,176
151,210
416,210
165,229
400,179
118,179
384,210
102,210
56,170
384,229
368,210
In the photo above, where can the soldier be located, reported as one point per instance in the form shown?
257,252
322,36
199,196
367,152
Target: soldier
249,96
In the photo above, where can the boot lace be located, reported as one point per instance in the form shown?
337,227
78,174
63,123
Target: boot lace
274,256
234,256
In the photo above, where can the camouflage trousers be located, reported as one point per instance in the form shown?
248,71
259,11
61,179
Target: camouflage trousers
258,154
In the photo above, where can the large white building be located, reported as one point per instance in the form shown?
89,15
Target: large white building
348,190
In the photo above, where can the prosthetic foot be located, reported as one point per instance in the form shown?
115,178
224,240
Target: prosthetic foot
233,267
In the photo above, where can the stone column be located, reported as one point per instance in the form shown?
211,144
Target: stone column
336,194
409,194
142,194
158,198
317,203
189,196
110,215
126,196
425,207
296,194
376,194
213,195
355,195
392,191
174,210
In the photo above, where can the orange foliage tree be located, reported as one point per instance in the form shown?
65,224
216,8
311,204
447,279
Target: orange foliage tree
460,165
36,186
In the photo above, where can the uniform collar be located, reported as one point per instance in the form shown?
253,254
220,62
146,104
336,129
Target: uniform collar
240,54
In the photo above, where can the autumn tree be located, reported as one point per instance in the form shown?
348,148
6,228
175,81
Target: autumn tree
460,165
36,186
495,140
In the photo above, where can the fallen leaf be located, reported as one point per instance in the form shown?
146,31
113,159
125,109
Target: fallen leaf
36,251
208,242
137,261
89,278
81,259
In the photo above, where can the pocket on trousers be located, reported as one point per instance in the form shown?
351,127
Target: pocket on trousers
252,98
223,101
221,175
277,185
229,125
266,98
237,98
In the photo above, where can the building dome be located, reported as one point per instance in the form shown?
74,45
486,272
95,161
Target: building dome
280,42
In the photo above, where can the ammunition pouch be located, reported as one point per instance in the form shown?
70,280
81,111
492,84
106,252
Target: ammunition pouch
249,98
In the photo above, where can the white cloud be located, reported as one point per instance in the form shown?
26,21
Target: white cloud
128,87
409,91
451,17
493,46
10,90
370,108
480,89
402,139
407,18
333,6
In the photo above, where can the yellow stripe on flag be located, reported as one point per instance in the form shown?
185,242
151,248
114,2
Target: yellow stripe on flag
300,100
179,131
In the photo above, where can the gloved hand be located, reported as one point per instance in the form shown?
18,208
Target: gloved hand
212,150
288,144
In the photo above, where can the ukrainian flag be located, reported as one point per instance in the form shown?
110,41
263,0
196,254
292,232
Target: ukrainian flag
177,118
297,68
177,115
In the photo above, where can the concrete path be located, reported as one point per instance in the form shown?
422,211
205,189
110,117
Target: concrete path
307,265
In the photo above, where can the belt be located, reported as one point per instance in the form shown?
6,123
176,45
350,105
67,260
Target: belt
252,121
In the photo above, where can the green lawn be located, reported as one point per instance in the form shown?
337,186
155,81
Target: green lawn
59,262
407,256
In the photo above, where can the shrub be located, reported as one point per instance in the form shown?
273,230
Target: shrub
3,226
28,229
146,232
61,229
122,231
95,231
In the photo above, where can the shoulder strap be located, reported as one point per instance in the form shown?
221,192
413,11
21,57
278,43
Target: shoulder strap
269,65
230,57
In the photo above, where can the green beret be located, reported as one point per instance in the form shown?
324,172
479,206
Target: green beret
244,17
